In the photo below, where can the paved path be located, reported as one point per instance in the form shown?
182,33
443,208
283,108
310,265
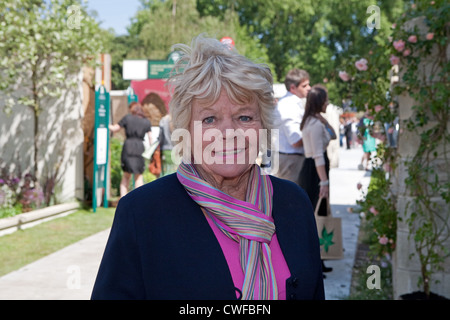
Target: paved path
69,273
343,195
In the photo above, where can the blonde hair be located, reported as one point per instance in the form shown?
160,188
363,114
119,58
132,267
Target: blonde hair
206,68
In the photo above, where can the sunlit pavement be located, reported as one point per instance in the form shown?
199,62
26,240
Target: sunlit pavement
343,196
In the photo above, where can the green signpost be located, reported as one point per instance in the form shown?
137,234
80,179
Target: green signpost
131,96
101,146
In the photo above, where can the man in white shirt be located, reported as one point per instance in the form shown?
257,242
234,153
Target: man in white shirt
290,110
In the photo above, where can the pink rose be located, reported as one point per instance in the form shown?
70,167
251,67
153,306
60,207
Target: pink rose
430,36
407,52
378,108
344,76
383,240
394,60
373,211
394,25
399,45
412,39
361,64
432,2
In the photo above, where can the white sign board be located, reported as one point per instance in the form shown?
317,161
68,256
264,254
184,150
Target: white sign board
135,69
102,145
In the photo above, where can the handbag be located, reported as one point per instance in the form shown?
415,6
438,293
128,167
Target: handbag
148,152
329,230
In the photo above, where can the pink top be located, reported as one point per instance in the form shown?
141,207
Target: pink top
230,250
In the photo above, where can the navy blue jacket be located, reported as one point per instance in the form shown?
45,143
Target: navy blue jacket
161,247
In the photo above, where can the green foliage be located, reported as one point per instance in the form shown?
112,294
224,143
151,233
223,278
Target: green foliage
380,214
317,36
116,169
422,48
417,46
42,49
161,24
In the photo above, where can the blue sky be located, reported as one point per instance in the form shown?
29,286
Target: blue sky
114,14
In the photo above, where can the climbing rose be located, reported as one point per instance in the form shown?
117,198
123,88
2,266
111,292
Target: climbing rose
373,211
361,64
344,76
412,39
383,240
407,52
430,36
399,45
378,108
394,59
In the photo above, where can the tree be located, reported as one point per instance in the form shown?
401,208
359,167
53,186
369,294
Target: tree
314,35
158,25
43,44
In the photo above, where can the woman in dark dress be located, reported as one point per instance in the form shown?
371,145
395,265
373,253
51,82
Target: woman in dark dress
136,126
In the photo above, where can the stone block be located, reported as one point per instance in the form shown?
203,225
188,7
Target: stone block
405,102
405,281
404,249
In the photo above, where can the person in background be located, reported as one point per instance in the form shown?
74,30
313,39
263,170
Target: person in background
317,133
166,145
348,133
154,108
217,229
136,126
368,142
290,111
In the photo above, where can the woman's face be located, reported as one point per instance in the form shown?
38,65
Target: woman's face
225,137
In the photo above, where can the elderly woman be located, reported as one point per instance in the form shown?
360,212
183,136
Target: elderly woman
218,228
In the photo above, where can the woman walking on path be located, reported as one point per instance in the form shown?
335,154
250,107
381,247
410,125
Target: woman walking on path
136,126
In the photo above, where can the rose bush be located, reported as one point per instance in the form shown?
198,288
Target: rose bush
374,90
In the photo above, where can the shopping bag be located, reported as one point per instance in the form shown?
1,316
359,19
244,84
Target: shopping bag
329,230
148,152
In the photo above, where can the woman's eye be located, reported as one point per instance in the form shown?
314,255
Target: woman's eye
245,118
208,120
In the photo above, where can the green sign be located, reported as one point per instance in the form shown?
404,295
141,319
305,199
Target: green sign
141,69
101,146
159,69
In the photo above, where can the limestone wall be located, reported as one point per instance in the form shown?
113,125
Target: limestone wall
406,269
60,141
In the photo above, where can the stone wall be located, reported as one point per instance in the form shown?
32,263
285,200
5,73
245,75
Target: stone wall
406,268
60,141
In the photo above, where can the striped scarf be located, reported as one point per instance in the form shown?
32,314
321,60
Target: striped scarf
247,222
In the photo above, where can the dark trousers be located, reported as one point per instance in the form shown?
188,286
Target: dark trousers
309,181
